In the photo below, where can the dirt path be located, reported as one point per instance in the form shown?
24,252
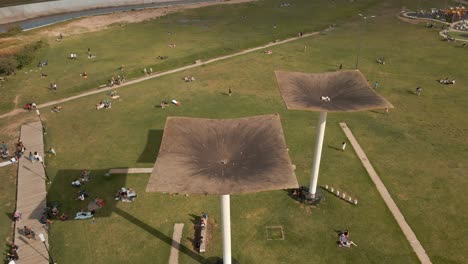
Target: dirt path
156,75
407,231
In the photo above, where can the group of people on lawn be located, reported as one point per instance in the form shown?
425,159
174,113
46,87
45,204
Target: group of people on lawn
113,81
125,195
85,176
19,151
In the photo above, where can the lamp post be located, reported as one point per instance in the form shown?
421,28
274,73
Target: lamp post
42,238
360,38
45,171
42,123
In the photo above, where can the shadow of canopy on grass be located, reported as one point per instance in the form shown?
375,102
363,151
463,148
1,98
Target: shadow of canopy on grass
105,187
152,146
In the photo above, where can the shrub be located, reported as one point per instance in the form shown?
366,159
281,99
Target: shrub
8,65
28,53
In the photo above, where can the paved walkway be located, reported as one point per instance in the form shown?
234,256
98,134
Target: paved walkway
174,258
131,171
31,197
410,236
156,75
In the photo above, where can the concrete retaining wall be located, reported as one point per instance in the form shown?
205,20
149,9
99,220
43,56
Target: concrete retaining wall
22,12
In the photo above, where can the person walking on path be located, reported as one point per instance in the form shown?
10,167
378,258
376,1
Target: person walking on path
230,91
341,66
31,157
343,146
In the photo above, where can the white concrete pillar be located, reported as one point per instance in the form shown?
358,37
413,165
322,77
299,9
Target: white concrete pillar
317,153
226,226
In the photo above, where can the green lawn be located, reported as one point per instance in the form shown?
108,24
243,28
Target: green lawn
416,153
419,150
460,35
198,34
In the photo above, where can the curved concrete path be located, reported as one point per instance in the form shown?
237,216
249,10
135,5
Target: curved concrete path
31,198
156,75
410,236
442,32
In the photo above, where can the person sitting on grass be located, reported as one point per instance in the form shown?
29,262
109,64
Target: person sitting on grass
20,146
84,75
131,195
76,183
5,154
63,217
99,105
419,90
447,81
56,109
55,211
29,106
82,194
114,95
85,176
164,104
13,254
344,239
99,202
121,194
84,215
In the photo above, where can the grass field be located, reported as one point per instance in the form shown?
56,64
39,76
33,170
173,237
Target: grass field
198,34
419,150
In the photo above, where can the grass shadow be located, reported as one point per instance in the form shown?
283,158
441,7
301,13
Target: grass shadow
152,146
373,111
333,147
159,235
103,186
99,186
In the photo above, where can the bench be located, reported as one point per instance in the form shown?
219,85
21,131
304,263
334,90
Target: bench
202,237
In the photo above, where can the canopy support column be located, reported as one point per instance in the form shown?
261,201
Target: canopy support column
226,225
317,153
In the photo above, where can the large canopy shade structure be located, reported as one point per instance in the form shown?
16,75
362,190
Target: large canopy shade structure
223,157
348,91
342,91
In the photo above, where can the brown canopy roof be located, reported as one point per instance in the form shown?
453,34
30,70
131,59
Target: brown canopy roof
347,91
222,156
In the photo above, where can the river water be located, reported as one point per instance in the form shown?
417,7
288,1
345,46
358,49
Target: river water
52,19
